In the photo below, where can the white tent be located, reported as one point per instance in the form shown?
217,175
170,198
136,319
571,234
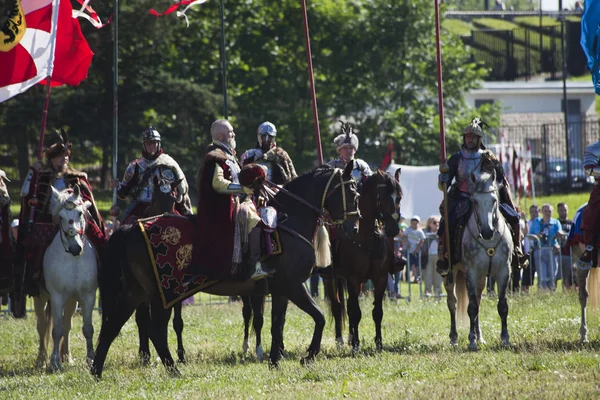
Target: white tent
421,195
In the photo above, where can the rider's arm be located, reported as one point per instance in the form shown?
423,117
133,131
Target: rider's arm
453,167
365,169
126,184
222,185
25,189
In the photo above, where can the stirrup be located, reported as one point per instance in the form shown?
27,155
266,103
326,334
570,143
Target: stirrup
585,261
442,267
259,273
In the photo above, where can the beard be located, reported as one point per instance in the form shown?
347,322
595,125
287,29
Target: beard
231,143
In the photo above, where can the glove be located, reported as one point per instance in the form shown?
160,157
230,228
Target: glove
444,178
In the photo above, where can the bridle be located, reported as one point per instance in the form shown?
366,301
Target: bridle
71,232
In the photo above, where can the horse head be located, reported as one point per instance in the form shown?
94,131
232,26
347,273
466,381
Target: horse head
68,212
380,199
4,197
485,200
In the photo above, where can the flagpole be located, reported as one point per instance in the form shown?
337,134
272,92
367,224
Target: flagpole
115,102
312,85
444,168
36,174
223,61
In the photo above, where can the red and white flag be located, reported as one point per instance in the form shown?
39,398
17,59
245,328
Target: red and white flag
49,44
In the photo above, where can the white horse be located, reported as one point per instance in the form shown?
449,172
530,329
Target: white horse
71,274
486,251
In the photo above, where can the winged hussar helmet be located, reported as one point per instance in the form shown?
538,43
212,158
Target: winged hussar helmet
347,138
58,144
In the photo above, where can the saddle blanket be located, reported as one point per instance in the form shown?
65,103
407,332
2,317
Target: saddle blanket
169,240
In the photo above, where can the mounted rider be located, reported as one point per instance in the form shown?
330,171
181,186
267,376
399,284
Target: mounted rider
138,180
590,223
33,240
227,220
280,168
473,157
6,240
346,145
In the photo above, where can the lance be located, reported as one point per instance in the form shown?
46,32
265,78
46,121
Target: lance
115,104
444,169
312,85
223,60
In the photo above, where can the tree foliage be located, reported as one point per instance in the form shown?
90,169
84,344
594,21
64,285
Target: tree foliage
374,63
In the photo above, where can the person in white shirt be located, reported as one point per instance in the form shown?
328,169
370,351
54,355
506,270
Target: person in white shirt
414,238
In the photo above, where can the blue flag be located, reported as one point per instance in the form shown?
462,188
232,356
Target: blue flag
590,39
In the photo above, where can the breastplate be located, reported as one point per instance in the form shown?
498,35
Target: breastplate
234,168
269,165
147,187
469,163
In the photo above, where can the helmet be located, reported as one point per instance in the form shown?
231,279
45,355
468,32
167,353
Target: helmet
266,134
150,134
347,138
58,144
475,127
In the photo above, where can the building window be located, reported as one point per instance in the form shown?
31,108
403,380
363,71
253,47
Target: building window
481,102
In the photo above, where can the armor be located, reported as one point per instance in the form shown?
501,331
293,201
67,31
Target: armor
469,162
141,190
591,158
360,171
255,156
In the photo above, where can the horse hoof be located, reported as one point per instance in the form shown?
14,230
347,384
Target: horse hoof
354,350
245,347
506,342
273,365
584,340
481,341
473,347
259,353
339,341
378,345
308,360
181,356
174,372
145,359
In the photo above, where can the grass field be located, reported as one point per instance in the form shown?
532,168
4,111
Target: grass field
544,361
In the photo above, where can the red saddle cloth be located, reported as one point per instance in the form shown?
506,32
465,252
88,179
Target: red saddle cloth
170,241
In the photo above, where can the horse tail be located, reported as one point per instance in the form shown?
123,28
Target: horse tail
594,290
462,298
322,247
110,278
335,294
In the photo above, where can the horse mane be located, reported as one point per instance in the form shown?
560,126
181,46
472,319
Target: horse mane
392,185
319,171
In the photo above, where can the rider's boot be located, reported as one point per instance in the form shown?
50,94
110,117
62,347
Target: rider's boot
443,265
254,255
521,259
585,261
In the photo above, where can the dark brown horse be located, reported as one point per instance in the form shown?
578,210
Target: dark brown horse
367,255
128,278
164,198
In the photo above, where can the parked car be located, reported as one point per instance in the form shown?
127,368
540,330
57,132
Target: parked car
551,176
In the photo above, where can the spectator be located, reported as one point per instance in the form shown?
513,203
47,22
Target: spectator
399,251
566,273
432,278
578,7
529,273
414,238
547,229
499,6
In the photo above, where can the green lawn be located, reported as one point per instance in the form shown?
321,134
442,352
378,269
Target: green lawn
457,27
544,361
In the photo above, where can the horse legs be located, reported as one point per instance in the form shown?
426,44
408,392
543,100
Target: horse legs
159,325
335,294
583,298
380,286
503,307
301,298
58,304
142,320
65,348
473,309
178,328
87,307
42,312
449,284
278,311
258,309
247,315
354,314
481,285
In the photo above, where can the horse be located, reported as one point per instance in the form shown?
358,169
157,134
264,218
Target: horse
164,199
70,270
486,252
367,255
253,308
588,279
128,278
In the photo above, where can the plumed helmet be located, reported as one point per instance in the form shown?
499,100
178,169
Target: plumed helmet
267,128
150,134
57,144
347,138
475,127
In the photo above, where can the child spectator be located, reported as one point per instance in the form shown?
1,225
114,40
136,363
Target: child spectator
432,278
414,238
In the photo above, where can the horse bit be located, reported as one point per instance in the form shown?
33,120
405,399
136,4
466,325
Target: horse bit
71,232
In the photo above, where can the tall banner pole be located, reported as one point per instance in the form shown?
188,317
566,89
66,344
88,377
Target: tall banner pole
36,175
223,61
444,169
312,85
115,102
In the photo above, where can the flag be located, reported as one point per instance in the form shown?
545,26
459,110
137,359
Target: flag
174,7
590,39
49,43
388,158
